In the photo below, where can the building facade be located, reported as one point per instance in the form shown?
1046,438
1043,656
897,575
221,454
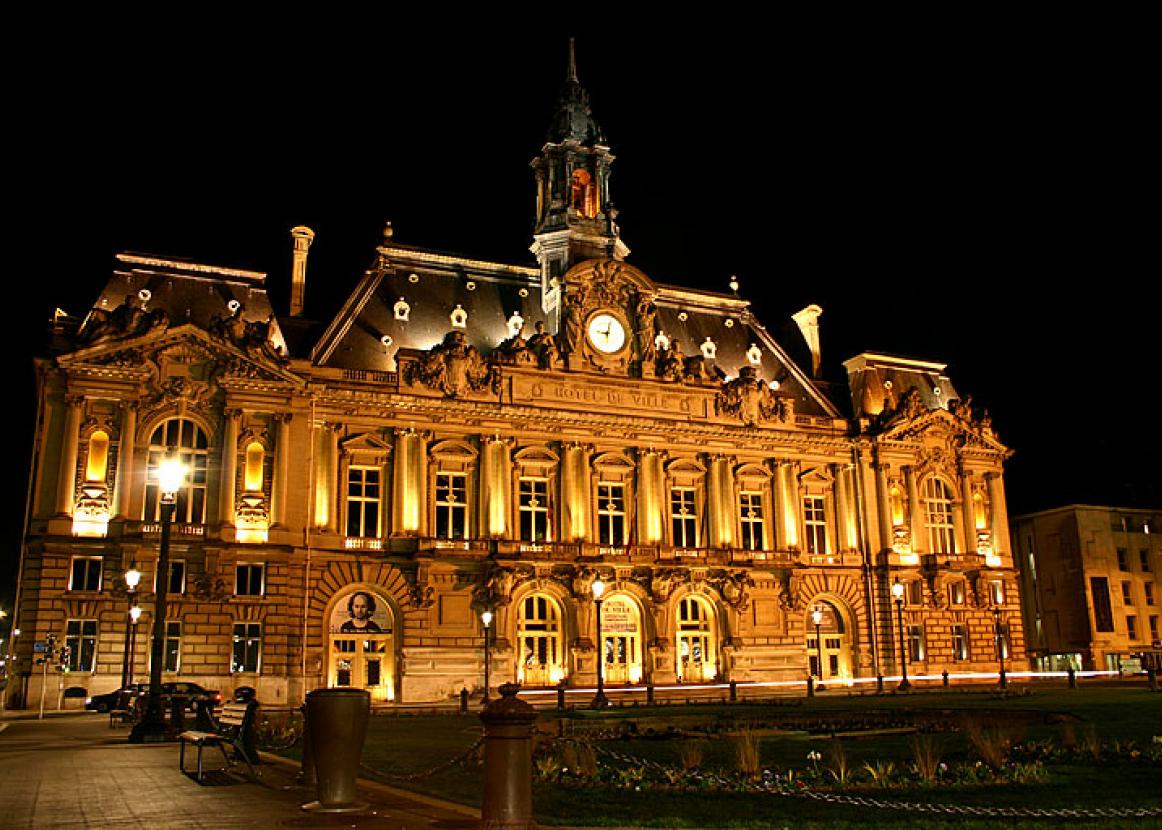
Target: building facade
466,436
1091,596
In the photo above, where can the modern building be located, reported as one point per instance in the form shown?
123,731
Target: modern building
1088,578
466,436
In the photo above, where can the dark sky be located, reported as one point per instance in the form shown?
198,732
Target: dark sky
975,192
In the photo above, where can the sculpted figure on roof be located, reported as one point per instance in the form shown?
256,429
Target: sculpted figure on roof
749,399
453,367
127,320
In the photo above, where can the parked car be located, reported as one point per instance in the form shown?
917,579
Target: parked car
107,701
192,692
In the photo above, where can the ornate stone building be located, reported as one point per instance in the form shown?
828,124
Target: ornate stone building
467,435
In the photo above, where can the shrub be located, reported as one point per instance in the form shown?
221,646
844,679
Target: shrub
990,743
746,753
926,752
690,754
881,772
579,759
837,763
1090,742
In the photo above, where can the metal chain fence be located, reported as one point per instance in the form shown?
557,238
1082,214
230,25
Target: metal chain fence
459,758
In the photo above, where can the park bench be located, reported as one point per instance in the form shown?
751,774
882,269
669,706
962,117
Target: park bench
233,730
123,711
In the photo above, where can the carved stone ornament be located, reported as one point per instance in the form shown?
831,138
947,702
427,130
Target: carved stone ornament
129,319
749,399
788,588
454,368
252,510
494,588
515,351
733,588
255,337
93,503
210,588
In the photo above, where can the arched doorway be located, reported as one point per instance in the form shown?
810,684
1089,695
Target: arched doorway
621,639
696,637
538,634
361,644
828,646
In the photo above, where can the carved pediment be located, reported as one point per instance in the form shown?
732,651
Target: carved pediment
941,427
454,368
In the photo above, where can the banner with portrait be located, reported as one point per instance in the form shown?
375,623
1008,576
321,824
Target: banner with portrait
361,612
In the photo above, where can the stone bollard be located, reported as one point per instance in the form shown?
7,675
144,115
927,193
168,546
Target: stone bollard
650,694
1072,677
1152,679
308,776
337,719
560,697
879,684
464,701
733,691
508,762
1004,680
944,676
810,687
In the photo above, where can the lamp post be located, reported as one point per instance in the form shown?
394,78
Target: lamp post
171,474
134,616
486,618
599,700
132,579
898,593
1004,681
817,618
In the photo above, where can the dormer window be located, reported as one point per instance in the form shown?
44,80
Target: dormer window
709,349
402,309
754,354
459,317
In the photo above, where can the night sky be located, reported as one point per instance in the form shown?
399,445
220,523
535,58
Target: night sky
959,191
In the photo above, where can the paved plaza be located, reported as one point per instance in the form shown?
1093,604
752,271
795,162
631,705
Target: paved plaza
75,771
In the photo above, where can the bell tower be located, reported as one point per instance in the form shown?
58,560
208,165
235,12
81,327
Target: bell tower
575,217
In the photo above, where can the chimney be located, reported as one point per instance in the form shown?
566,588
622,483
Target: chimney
303,236
808,321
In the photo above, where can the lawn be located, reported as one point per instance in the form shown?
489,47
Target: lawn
1080,749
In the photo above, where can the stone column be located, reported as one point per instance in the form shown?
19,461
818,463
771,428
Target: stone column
969,511
785,537
409,484
125,458
650,498
282,457
720,502
67,481
575,493
884,507
1000,514
959,524
495,486
228,484
915,513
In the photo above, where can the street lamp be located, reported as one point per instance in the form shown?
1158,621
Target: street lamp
817,618
599,700
132,580
171,475
486,618
898,593
1001,645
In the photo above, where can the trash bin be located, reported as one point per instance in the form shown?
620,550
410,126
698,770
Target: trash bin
337,719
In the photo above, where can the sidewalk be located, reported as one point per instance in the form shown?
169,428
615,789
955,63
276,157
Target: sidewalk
78,772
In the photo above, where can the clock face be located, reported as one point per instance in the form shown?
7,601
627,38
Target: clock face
606,333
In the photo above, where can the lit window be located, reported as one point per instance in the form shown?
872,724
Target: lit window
684,517
956,592
815,524
86,574
997,592
1003,640
81,641
750,508
915,641
247,651
938,516
451,506
611,513
188,440
248,580
363,501
534,509
914,592
959,642
173,645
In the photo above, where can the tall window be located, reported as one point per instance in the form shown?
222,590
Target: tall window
750,507
997,592
173,645
189,441
534,509
451,505
684,517
248,580
914,592
1148,590
247,652
956,592
177,577
86,574
815,524
1123,559
938,516
81,641
1144,558
1103,612
1153,628
1003,640
363,501
1132,627
611,513
1127,599
696,660
959,642
915,643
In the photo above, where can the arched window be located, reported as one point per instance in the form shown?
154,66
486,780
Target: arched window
584,197
938,516
696,661
97,463
538,634
188,440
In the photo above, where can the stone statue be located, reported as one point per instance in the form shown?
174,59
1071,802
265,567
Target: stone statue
571,324
127,320
647,314
454,367
671,363
544,347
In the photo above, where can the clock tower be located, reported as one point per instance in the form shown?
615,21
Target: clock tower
575,217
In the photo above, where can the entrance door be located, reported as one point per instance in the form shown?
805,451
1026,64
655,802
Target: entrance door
834,653
696,663
539,635
363,663
621,649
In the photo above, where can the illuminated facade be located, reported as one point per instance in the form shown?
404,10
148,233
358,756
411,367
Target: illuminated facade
468,435
1089,578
